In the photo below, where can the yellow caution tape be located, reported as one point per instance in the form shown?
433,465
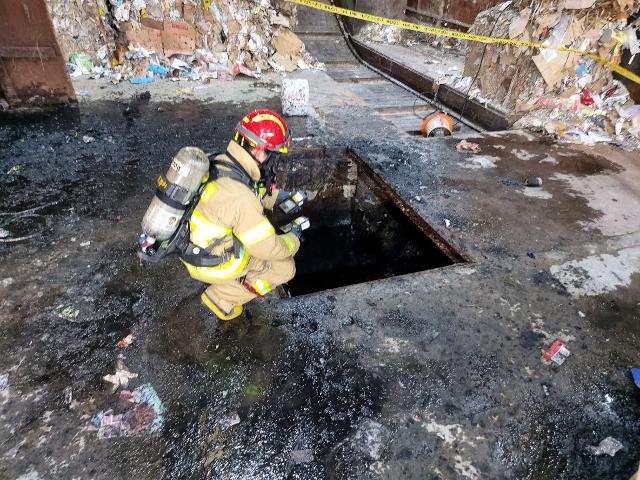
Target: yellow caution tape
443,32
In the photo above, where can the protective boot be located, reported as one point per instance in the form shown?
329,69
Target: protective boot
219,312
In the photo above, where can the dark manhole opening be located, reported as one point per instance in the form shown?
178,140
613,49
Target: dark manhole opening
361,230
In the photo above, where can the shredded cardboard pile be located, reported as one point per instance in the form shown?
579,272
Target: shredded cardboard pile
569,96
140,40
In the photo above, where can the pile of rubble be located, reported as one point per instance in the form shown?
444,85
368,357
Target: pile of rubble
569,96
141,40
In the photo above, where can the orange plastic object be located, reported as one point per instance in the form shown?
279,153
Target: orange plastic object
437,125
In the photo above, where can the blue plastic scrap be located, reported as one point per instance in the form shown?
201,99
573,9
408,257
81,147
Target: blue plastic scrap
149,396
635,374
97,418
158,69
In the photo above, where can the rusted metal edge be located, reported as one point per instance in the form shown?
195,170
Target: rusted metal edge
27,52
383,188
486,117
6,85
314,151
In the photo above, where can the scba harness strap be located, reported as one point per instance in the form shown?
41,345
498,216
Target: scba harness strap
173,195
180,242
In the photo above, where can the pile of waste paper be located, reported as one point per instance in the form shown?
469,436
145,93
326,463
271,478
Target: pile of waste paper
142,40
572,97
568,96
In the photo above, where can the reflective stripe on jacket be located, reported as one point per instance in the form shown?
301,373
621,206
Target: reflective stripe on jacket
229,208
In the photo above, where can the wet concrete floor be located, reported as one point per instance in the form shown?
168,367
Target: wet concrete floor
433,375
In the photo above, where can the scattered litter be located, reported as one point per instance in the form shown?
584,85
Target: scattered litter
295,97
229,420
635,374
4,381
145,416
85,244
67,312
301,456
609,446
121,376
68,395
4,233
447,223
465,146
6,282
580,314
88,139
15,170
533,182
126,341
556,353
375,32
81,61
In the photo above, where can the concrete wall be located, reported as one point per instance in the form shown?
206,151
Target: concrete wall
384,8
461,12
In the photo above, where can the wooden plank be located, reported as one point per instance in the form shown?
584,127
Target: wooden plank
26,52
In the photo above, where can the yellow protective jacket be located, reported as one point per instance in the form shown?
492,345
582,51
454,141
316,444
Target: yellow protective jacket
228,209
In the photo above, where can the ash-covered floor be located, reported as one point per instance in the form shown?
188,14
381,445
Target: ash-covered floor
431,375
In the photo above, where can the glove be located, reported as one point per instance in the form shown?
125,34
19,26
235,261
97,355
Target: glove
290,202
297,231
296,227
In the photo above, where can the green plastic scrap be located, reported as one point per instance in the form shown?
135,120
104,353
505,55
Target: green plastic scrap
82,60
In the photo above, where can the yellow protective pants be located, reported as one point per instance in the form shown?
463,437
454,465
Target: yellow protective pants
262,275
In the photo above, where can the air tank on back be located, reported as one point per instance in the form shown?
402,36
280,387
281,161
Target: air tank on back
189,168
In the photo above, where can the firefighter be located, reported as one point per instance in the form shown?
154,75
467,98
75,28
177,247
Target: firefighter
229,220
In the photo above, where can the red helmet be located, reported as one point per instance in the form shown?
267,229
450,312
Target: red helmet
265,130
